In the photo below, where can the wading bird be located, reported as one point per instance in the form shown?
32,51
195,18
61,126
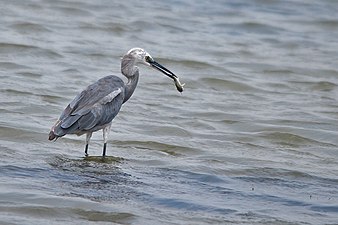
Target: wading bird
95,107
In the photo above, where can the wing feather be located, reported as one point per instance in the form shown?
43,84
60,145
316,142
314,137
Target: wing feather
69,121
98,104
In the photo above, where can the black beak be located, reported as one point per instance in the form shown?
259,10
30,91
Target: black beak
161,68
167,72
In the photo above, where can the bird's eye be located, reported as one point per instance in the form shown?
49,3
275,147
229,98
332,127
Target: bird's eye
148,59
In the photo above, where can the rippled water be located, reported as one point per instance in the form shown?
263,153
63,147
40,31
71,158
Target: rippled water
252,140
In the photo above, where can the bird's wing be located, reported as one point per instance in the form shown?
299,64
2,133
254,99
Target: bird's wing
95,105
102,112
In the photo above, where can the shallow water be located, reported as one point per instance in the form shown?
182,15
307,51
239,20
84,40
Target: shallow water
251,140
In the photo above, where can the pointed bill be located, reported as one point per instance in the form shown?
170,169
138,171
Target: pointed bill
167,72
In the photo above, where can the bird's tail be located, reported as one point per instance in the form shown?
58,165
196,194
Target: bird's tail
52,134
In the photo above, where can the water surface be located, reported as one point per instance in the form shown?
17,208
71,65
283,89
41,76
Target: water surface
251,140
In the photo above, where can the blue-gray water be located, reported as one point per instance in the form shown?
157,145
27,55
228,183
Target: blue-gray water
253,139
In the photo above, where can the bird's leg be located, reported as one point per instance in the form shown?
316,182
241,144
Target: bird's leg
104,149
88,136
106,131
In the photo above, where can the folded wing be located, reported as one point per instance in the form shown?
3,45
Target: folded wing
95,106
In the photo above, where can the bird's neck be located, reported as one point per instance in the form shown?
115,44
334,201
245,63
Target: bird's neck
130,70
130,86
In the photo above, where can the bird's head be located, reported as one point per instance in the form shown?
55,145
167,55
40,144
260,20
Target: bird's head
140,56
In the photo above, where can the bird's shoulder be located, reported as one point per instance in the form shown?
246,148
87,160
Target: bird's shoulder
104,86
110,80
101,92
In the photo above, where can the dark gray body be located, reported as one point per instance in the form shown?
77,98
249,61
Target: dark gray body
92,109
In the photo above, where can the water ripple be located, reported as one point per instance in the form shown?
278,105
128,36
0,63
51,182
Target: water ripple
251,140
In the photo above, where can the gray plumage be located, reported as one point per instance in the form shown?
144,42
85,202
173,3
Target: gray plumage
95,107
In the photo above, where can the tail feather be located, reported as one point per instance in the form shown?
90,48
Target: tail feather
52,134
57,131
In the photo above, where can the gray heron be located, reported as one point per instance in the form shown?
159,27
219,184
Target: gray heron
96,106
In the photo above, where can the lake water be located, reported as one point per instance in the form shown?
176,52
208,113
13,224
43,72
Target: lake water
253,139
